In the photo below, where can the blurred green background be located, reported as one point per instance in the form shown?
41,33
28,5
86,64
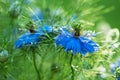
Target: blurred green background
113,17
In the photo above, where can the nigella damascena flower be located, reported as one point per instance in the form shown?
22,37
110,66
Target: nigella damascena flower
75,43
32,37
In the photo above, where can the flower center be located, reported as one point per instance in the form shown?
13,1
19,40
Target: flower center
77,29
32,30
77,33
30,27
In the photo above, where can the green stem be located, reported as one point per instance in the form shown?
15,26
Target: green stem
35,66
71,58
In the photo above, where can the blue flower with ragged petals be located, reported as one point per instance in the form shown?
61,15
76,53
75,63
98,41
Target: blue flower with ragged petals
30,39
76,44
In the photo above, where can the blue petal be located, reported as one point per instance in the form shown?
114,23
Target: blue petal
73,45
63,37
18,43
89,45
45,29
28,39
61,40
83,51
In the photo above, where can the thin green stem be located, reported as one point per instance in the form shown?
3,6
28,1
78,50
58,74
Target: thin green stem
35,66
71,58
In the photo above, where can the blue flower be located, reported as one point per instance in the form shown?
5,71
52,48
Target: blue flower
30,39
76,44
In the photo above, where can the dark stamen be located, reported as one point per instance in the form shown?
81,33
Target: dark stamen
30,27
32,30
77,34
77,28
